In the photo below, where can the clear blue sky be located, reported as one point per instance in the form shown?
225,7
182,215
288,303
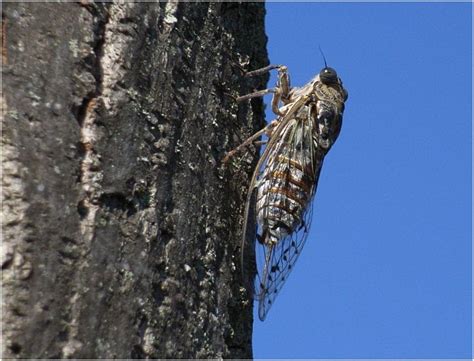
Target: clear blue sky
386,270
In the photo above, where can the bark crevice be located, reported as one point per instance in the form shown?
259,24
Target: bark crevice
121,229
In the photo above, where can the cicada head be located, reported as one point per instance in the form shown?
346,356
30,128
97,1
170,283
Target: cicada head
328,76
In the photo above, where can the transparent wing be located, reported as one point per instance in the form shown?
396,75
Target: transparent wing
293,144
275,262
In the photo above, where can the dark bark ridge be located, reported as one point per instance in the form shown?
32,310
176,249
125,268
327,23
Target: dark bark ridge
121,227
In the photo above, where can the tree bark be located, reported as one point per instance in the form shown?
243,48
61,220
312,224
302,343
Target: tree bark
121,226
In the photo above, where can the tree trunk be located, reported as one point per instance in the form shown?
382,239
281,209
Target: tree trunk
121,227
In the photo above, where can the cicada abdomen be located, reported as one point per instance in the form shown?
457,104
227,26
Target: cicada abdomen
286,184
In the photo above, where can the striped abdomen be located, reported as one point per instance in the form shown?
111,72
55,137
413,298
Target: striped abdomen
287,183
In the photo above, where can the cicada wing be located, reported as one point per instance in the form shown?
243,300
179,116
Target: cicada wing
275,263
276,260
273,146
250,218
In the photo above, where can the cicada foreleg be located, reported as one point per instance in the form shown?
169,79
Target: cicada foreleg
280,92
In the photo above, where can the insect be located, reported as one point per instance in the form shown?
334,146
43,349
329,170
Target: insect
284,182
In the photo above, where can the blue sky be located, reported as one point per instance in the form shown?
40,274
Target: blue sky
386,270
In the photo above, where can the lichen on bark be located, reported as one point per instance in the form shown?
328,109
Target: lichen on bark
121,226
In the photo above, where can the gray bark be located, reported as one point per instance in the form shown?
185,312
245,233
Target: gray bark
121,227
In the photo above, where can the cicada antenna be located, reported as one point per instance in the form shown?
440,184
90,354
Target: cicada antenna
321,51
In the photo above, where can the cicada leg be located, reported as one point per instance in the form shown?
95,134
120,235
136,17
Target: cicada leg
262,70
252,139
259,93
280,92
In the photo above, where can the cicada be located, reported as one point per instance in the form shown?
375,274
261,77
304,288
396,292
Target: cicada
283,185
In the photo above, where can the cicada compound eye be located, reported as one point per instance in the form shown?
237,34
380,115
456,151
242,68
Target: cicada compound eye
328,75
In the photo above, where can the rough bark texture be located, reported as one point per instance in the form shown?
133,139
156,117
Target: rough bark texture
121,227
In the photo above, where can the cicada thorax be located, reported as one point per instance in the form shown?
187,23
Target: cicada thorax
286,185
329,109
329,93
